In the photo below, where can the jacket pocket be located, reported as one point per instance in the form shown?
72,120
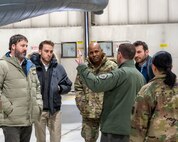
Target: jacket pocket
81,103
7,105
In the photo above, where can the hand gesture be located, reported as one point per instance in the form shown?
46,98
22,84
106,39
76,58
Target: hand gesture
79,59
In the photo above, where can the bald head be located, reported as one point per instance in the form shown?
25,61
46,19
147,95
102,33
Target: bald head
95,53
94,45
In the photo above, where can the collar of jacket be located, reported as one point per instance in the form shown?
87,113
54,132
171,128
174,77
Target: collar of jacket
102,62
161,76
128,63
13,60
148,58
35,58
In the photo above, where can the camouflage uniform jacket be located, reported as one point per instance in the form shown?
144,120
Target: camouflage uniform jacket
155,118
88,102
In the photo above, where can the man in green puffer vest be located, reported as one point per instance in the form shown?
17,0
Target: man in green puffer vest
20,98
88,102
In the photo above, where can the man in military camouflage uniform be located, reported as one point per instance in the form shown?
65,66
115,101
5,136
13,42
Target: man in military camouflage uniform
155,117
88,102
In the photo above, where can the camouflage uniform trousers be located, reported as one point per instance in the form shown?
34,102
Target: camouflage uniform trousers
90,129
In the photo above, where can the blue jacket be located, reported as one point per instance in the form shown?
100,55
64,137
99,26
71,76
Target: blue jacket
59,83
148,73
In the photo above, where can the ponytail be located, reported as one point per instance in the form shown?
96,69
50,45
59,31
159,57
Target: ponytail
170,79
163,61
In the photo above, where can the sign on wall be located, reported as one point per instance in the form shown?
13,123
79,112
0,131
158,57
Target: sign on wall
68,50
107,47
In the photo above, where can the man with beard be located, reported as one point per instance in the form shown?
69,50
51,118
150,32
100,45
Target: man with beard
88,102
20,98
143,60
54,82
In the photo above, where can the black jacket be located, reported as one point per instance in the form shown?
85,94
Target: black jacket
59,82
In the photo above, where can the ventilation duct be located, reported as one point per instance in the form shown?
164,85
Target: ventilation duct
16,10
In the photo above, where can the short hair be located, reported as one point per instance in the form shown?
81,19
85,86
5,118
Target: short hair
127,50
15,39
137,43
45,42
163,62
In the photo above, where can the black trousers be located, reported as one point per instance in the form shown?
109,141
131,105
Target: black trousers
106,137
17,134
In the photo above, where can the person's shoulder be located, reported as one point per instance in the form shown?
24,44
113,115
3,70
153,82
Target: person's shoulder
4,65
149,59
59,67
151,87
111,62
30,63
3,62
175,87
146,90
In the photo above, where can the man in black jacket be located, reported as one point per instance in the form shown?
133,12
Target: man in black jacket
54,82
143,60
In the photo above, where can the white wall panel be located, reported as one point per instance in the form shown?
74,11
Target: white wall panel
153,35
118,12
105,33
55,21
59,19
8,26
173,12
102,19
75,18
158,11
137,11
24,24
40,21
170,36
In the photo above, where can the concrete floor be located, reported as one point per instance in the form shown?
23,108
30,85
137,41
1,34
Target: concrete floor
71,122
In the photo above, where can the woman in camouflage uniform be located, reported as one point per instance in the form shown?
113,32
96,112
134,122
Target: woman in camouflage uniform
155,116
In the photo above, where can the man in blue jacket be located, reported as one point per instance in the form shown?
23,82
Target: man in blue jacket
143,60
54,82
120,87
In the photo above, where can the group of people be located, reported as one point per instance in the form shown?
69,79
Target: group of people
140,98
133,98
30,92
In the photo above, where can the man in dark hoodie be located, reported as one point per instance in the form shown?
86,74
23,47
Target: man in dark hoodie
54,82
